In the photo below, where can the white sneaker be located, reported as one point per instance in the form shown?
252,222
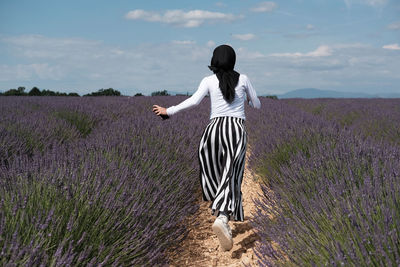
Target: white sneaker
223,231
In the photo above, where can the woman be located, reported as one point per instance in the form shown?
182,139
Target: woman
222,146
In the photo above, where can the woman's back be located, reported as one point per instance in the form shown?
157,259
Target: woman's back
219,106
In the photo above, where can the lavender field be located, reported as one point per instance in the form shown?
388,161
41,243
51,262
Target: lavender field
333,166
102,181
95,181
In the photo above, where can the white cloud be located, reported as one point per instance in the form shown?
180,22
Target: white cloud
392,47
42,71
244,37
375,2
348,3
310,27
372,3
350,45
210,43
49,63
117,51
178,17
394,26
246,55
87,66
321,51
33,39
39,46
264,7
357,67
184,42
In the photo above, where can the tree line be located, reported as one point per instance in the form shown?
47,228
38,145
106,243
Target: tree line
101,92
37,92
20,91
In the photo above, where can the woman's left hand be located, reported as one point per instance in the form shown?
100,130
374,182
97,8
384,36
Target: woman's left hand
159,110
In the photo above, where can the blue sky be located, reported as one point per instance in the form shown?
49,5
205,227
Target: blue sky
144,46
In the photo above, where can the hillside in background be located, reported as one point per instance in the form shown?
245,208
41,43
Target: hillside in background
317,93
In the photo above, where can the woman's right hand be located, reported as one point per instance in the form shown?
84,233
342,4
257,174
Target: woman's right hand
160,111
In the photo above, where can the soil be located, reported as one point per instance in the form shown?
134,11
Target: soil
202,248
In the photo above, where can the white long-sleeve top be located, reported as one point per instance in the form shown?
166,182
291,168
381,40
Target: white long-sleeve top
219,106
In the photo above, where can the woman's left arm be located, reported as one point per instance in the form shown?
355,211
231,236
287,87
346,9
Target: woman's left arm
250,92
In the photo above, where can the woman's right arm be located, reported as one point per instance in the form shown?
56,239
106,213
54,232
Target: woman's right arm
194,100
253,101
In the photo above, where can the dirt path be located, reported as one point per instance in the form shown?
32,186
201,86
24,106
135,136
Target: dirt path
201,247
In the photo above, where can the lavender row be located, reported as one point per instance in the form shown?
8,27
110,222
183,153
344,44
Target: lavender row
375,118
334,197
95,181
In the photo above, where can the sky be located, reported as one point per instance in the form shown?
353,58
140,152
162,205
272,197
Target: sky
145,46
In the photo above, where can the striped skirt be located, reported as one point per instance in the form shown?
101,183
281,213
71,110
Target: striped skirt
221,154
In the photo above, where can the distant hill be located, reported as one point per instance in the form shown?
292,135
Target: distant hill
317,93
390,95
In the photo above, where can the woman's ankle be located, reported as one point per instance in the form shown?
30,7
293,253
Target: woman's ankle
223,213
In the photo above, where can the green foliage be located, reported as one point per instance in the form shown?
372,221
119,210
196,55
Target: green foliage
17,92
105,92
81,121
334,199
271,96
138,94
29,137
318,109
349,118
52,93
101,201
318,229
73,94
35,92
157,93
61,205
271,165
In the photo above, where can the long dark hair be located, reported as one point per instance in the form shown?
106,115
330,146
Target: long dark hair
222,64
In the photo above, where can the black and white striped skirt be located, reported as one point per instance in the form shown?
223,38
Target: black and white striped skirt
222,153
